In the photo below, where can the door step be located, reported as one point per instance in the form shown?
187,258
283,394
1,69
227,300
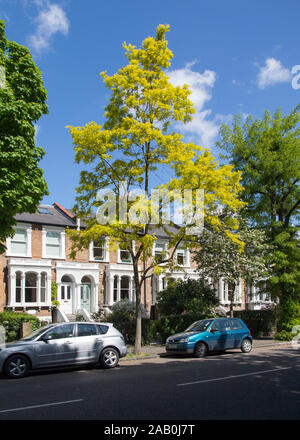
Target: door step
71,318
74,318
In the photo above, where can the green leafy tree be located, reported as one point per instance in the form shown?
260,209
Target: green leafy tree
267,152
22,103
188,296
134,142
221,257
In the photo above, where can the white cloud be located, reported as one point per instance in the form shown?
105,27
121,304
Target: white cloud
51,19
203,129
273,72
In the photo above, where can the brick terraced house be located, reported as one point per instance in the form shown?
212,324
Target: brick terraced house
38,255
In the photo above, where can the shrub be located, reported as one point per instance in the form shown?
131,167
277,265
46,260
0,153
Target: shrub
169,325
54,289
123,317
188,296
11,321
283,335
289,314
260,322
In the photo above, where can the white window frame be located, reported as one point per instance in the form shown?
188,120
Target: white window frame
62,249
119,256
106,252
24,266
186,256
28,234
253,293
165,249
224,297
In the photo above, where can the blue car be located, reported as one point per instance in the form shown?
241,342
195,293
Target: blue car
210,335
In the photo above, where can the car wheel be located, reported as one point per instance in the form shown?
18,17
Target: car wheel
17,366
109,358
246,346
200,350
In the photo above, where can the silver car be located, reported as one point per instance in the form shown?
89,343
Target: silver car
63,344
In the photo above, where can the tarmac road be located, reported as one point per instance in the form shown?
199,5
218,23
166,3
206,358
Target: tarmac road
260,385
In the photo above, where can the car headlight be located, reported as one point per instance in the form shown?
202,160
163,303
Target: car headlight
184,340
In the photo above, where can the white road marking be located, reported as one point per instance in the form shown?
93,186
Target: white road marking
232,377
40,406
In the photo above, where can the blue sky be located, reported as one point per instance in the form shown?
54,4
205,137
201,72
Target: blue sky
236,55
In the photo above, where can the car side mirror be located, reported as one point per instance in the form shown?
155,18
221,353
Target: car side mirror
46,338
213,330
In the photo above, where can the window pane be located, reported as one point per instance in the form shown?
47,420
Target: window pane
30,287
18,279
125,255
98,253
115,288
53,250
124,287
235,324
30,279
18,248
53,238
18,294
43,279
102,329
20,235
180,258
63,331
86,330
98,249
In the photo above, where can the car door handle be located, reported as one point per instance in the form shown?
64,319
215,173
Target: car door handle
69,342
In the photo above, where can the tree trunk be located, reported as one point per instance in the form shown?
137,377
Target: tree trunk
138,331
232,300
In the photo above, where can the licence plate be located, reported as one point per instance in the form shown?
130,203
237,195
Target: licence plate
172,346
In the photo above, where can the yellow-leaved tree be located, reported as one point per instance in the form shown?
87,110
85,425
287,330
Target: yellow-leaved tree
135,141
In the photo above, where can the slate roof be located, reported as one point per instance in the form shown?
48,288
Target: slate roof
55,217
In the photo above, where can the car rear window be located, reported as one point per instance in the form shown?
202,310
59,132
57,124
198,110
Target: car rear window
102,329
86,330
235,324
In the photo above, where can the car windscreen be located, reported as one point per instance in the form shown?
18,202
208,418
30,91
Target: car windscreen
199,326
36,333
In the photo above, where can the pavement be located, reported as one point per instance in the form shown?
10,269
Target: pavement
158,349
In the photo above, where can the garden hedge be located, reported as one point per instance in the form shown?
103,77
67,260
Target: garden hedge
260,322
11,321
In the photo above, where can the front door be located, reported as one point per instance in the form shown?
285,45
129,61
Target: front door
65,299
85,297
